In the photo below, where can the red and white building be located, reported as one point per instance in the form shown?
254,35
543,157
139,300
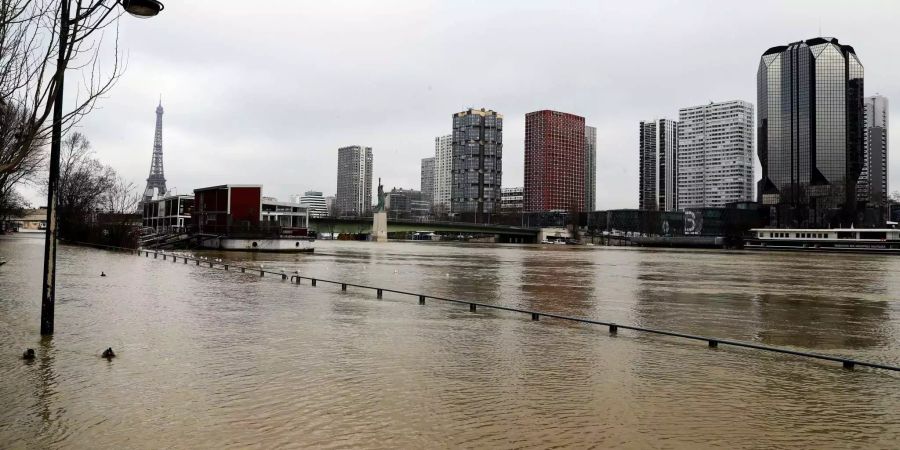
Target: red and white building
238,217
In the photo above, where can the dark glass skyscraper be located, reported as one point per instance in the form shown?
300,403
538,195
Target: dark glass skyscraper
810,131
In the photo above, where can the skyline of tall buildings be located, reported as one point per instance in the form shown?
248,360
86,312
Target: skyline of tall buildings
554,161
477,161
714,154
821,144
354,180
657,164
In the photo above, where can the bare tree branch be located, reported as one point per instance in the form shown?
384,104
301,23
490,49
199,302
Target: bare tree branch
30,73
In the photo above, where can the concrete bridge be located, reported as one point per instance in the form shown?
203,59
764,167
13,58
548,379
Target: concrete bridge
363,225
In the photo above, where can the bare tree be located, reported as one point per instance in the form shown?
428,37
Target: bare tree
31,68
84,182
122,197
29,168
11,205
439,211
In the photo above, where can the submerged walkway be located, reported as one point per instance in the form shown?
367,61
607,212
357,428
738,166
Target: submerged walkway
613,328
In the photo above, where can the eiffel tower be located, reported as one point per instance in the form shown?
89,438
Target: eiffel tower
156,182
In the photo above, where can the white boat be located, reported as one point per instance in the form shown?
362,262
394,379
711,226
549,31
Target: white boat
885,240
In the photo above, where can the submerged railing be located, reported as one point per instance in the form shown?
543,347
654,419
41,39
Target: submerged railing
712,342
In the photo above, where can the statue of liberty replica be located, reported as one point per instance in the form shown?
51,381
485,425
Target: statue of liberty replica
379,217
379,207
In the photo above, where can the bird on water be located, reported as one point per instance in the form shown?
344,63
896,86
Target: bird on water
108,353
102,274
28,355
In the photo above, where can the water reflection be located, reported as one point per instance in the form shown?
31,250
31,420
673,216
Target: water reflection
801,320
560,276
775,301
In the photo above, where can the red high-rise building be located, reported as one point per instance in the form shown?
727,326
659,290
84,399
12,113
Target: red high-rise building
554,161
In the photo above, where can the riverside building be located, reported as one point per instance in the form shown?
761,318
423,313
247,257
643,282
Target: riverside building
427,178
590,168
314,203
554,162
443,171
872,187
657,145
354,181
477,162
715,154
512,199
810,132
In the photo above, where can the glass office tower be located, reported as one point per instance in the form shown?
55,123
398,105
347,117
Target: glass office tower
810,131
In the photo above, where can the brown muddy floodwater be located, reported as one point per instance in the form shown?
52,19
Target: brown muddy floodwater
213,359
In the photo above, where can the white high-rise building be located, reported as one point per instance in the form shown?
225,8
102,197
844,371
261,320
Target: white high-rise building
315,203
443,165
715,154
354,181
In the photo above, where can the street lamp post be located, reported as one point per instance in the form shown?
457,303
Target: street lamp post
138,8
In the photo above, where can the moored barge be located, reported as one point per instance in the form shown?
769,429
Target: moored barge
238,217
875,240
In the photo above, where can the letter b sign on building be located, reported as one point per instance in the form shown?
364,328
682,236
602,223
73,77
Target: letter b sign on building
693,222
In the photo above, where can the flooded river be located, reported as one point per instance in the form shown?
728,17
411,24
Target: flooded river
217,359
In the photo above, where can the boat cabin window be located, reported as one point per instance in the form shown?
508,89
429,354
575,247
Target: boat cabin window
872,235
846,235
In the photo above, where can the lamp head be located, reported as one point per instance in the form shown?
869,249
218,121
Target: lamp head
142,8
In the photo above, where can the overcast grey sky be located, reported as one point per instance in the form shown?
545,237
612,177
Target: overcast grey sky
265,92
